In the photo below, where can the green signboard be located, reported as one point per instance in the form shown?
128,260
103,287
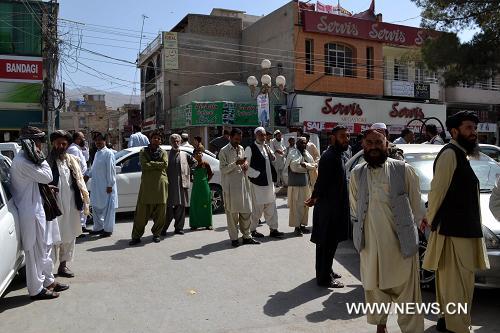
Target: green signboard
20,95
246,115
206,114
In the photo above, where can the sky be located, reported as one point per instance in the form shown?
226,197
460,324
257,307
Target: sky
81,24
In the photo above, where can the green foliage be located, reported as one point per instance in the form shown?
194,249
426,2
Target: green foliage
469,62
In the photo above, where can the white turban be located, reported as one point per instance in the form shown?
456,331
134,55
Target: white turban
259,129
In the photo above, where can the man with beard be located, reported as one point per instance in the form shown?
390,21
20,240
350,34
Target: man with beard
262,176
29,169
456,247
385,204
77,149
103,191
330,199
278,148
152,198
236,187
72,198
297,164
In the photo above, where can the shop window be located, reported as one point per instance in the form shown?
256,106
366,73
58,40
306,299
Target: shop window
370,63
309,56
400,70
339,60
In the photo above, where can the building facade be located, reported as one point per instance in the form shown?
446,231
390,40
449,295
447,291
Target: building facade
28,66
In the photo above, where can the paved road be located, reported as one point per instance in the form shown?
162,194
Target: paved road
198,283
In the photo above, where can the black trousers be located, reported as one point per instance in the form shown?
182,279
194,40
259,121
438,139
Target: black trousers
178,213
324,262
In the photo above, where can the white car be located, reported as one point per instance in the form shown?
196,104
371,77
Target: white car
421,157
490,150
9,149
128,178
12,255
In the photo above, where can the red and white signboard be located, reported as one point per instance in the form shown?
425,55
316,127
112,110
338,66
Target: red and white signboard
21,69
322,113
363,29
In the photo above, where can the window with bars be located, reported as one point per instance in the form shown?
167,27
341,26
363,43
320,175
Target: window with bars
400,70
309,56
339,60
370,74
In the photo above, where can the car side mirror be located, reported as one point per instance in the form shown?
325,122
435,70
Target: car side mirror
118,169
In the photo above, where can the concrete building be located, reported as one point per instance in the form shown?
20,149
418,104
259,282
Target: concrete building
184,59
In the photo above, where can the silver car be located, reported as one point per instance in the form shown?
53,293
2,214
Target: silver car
421,157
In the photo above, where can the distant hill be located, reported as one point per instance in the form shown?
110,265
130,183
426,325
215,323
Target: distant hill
114,99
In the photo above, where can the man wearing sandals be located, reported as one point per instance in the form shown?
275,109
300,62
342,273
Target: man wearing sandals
385,205
29,169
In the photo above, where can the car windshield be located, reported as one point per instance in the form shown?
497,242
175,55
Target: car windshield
485,168
122,153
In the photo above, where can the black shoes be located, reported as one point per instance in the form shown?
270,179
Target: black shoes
298,232
179,232
96,232
331,284
335,276
304,229
58,287
250,241
85,230
65,272
135,241
276,234
235,243
105,234
257,234
156,239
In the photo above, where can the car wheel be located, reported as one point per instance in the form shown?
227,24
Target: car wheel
426,277
217,199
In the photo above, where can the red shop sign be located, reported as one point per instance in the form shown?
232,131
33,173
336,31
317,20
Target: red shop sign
363,29
413,113
21,68
352,109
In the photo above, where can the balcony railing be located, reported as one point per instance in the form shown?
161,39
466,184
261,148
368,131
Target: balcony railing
150,49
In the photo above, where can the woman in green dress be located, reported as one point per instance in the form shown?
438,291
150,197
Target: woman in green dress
200,208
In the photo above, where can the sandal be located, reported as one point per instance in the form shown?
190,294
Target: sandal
45,294
58,287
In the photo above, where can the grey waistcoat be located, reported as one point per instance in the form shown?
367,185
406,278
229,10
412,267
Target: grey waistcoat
406,227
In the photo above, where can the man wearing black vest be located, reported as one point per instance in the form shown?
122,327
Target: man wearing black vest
456,246
262,175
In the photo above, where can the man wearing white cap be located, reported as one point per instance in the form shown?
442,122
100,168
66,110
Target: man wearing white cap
262,175
394,152
185,141
278,148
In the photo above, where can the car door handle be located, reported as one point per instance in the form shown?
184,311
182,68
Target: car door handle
11,229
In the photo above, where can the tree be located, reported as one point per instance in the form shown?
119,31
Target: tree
467,62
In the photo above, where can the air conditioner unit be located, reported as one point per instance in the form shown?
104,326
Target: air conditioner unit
337,71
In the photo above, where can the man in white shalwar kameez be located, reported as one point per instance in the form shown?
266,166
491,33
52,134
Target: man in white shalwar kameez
72,197
76,149
278,148
37,235
386,273
262,174
103,191
236,189
297,164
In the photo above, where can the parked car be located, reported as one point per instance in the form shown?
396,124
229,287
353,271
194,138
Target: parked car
490,150
421,157
12,255
9,149
128,178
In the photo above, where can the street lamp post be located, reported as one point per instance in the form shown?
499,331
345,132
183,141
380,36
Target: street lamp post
264,90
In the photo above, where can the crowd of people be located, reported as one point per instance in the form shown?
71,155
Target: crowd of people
381,201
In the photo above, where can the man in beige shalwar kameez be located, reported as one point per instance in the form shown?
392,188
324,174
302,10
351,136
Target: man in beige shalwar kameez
456,246
384,233
297,165
236,189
